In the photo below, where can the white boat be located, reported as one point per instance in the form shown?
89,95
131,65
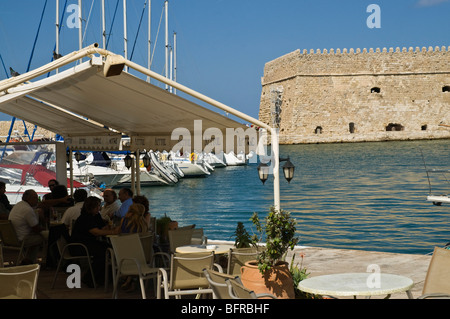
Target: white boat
189,167
232,159
111,173
162,170
441,195
213,160
23,170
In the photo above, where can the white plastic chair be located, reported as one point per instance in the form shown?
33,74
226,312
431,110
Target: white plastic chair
437,281
186,275
131,260
19,282
238,291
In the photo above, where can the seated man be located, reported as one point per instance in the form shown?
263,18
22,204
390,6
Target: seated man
26,223
72,213
126,198
5,206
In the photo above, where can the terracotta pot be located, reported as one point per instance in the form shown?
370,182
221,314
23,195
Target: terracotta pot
173,225
278,281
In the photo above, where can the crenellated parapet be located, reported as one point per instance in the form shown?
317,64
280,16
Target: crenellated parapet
334,95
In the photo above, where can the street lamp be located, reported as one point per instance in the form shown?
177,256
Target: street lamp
263,172
128,161
288,170
78,156
146,160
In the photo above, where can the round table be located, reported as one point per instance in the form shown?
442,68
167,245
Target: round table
218,249
357,284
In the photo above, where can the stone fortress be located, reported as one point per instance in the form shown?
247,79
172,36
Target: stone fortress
358,95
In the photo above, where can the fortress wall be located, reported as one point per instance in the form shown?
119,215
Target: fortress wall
332,96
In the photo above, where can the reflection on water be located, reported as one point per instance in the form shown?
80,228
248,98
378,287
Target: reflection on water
356,195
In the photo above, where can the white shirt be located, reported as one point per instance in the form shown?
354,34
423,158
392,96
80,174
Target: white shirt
24,218
110,210
72,213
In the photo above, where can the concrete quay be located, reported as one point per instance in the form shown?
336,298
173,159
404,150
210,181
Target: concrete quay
318,261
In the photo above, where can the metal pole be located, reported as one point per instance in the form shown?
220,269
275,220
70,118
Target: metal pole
103,25
149,63
166,6
175,60
125,43
138,173
80,27
57,29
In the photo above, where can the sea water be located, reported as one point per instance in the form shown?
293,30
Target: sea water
368,196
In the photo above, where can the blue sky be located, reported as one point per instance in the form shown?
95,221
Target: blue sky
223,45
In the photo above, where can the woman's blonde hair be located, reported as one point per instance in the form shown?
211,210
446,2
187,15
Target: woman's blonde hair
136,222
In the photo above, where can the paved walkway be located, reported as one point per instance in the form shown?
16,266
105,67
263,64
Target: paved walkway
322,261
318,261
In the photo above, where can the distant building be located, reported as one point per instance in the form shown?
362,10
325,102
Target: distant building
358,95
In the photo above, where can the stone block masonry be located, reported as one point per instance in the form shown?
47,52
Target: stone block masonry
358,95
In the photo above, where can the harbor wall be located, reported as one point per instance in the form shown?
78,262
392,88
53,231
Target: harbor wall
19,129
355,95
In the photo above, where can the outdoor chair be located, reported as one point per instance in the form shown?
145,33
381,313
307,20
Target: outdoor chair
437,280
217,282
9,240
131,260
110,263
238,291
237,257
186,275
179,237
198,237
19,282
65,255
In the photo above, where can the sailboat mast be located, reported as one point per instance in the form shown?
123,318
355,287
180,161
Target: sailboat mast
103,25
149,62
166,6
175,60
125,37
80,27
57,30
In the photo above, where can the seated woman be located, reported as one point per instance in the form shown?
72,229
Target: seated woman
140,199
86,230
134,221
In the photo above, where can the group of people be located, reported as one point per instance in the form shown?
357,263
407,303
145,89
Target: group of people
86,219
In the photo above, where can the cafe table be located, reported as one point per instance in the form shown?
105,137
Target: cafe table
357,284
218,249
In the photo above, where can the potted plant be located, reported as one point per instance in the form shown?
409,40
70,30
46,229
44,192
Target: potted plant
270,272
242,237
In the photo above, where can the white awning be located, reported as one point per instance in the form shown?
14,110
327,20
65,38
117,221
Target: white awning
92,111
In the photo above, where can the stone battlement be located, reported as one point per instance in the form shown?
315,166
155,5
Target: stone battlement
358,95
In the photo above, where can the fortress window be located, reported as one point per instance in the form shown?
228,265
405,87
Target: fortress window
375,90
446,88
394,127
318,130
351,127
424,127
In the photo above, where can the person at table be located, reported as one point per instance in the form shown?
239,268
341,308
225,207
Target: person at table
141,199
126,199
88,229
72,213
134,221
5,206
111,205
26,224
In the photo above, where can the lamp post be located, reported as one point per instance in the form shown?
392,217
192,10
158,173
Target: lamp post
146,160
128,161
288,170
